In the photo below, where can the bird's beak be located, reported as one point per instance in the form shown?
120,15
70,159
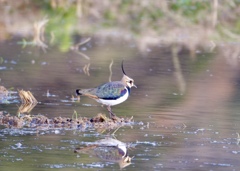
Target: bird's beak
134,86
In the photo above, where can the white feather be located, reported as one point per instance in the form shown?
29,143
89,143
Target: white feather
114,102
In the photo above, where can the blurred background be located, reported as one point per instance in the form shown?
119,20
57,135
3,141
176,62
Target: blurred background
147,22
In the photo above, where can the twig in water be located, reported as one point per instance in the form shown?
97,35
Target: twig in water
75,48
110,69
86,69
115,131
83,55
39,28
76,114
238,138
184,126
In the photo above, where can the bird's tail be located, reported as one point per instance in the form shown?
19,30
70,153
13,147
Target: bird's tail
79,92
86,92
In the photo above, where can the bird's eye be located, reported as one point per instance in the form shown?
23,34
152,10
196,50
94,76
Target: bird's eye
130,81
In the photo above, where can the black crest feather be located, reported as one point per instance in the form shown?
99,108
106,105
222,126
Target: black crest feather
123,69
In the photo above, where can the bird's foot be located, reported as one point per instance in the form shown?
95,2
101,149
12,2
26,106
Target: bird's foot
112,115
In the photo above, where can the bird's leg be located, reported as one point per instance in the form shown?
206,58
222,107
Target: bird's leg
112,115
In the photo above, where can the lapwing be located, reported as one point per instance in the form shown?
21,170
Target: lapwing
111,93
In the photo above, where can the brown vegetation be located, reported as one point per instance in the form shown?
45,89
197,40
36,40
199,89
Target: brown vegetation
82,123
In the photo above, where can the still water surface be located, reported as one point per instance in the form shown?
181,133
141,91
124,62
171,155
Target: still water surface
186,108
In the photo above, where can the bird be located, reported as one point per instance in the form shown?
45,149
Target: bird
110,93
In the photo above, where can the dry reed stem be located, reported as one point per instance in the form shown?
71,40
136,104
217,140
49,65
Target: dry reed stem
3,92
27,97
26,107
39,29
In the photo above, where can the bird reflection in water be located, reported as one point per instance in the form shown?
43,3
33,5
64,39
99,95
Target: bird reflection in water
108,149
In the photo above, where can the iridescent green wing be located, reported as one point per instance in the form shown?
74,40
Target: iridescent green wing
111,90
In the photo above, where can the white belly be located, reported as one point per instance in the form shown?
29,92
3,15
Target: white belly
113,102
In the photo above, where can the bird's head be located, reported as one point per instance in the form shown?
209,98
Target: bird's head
127,80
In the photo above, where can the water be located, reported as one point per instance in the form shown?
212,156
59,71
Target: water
186,108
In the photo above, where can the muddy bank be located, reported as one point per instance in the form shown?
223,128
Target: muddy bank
40,121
